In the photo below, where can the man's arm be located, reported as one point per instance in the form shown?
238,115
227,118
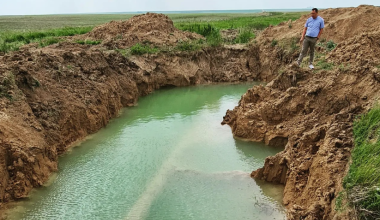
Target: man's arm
321,28
303,34
320,33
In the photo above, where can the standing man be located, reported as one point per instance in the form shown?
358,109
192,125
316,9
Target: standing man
313,30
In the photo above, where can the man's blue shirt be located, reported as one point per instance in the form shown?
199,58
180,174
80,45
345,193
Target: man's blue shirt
314,26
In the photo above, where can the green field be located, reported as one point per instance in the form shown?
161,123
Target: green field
16,31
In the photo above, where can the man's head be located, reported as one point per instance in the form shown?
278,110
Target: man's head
314,13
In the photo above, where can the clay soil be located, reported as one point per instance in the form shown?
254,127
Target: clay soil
54,96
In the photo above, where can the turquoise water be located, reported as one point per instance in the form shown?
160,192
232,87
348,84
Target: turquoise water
167,158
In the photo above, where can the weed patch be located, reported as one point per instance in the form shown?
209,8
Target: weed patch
327,45
323,64
140,49
49,41
88,42
362,182
12,41
274,43
330,45
189,46
245,35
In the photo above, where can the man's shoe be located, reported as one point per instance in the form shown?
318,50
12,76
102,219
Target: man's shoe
311,66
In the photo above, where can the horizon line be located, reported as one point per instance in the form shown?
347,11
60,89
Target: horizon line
168,12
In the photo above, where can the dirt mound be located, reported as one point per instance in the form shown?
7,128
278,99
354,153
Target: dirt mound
360,50
310,114
340,24
156,29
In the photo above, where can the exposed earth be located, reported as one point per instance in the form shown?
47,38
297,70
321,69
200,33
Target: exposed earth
310,113
53,97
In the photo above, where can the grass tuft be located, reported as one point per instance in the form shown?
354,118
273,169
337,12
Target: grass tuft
274,43
323,64
31,36
210,32
330,45
327,45
205,30
12,41
89,42
49,41
245,36
362,182
140,49
189,46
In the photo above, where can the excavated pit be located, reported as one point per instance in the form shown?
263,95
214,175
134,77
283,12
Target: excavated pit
55,96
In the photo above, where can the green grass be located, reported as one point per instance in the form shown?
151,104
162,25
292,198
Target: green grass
245,35
327,45
274,43
254,21
323,64
210,32
88,42
140,49
189,46
330,45
246,25
11,41
31,36
49,41
16,31
362,182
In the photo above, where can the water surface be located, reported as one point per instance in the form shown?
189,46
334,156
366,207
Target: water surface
167,158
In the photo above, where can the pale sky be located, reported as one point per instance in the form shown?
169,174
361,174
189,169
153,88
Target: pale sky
29,7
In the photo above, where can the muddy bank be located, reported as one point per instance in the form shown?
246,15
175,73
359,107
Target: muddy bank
310,113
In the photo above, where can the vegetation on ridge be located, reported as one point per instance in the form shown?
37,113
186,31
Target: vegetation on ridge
42,29
362,183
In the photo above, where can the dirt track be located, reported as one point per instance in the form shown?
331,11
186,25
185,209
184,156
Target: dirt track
60,94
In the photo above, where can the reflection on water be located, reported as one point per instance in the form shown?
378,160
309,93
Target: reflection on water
167,158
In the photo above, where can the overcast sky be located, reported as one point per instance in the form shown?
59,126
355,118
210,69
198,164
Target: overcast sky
27,7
